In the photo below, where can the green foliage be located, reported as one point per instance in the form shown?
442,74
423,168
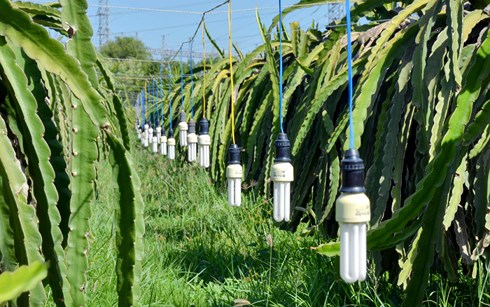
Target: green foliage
199,251
420,118
129,59
56,123
125,48
12,284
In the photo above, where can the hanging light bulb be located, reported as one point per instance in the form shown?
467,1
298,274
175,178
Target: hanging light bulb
163,143
142,129
171,144
183,130
138,129
234,174
282,175
158,131
204,141
146,135
353,213
192,142
150,134
154,144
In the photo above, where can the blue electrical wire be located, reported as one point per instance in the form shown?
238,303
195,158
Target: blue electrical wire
148,99
349,67
169,90
157,98
153,95
143,102
160,94
181,81
150,94
157,102
280,67
192,81
140,107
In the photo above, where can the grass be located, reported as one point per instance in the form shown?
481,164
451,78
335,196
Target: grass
200,252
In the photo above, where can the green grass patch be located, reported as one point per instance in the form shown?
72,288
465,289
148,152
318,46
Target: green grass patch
201,252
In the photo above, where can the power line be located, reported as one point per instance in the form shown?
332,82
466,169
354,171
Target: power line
176,26
198,54
201,23
212,11
151,9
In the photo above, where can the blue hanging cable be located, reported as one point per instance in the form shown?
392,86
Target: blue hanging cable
349,67
138,109
143,101
280,67
192,80
143,120
169,90
155,94
157,98
160,94
181,80
152,94
157,109
151,100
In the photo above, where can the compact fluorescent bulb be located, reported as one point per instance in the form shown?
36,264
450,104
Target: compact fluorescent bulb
183,130
204,142
171,144
353,213
282,174
234,177
192,142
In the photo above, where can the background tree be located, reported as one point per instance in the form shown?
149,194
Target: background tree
131,63
126,48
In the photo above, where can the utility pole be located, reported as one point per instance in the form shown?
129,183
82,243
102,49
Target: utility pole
103,18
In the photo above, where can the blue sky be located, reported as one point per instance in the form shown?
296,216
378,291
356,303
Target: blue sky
142,19
150,26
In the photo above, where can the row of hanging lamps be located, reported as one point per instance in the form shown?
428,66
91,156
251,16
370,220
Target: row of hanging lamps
183,117
234,171
282,172
204,140
352,206
191,136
